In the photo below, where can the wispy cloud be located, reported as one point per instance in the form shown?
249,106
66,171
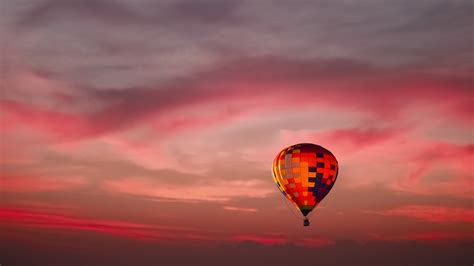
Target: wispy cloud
214,191
132,230
430,213
239,209
31,183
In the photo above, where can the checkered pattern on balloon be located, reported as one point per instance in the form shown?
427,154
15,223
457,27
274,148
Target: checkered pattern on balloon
305,173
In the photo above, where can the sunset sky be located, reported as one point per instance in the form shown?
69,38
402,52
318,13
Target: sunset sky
146,128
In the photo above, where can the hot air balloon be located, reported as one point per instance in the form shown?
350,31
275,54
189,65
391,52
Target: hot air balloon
305,173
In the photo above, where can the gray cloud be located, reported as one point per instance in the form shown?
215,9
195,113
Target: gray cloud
209,11
124,44
48,12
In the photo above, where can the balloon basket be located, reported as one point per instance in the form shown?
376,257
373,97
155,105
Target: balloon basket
306,222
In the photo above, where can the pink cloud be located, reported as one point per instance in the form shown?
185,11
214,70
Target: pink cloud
12,153
411,158
41,206
349,140
32,183
138,231
359,138
215,191
439,156
459,156
54,124
240,209
272,84
33,88
62,222
158,127
432,213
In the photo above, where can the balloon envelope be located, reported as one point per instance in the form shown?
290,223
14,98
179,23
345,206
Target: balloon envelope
305,173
